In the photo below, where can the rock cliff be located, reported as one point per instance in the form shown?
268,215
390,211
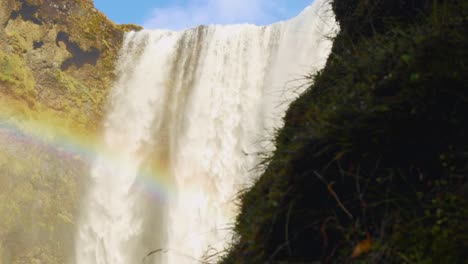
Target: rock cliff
56,67
58,57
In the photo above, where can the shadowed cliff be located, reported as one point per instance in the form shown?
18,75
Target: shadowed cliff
371,164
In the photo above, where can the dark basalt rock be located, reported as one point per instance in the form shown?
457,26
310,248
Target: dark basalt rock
28,12
79,57
38,44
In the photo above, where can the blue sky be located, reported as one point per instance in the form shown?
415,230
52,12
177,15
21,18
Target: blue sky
180,14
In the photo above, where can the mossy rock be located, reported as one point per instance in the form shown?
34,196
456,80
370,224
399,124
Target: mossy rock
72,37
16,77
48,92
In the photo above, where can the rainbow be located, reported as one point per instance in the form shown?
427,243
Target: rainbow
153,178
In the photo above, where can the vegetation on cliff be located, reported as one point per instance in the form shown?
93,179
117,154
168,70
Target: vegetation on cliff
58,57
371,164
56,68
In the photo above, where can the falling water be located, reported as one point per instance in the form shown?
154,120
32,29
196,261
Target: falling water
200,104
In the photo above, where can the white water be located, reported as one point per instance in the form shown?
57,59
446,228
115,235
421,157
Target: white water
202,102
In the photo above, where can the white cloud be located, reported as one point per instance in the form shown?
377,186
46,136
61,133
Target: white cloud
202,12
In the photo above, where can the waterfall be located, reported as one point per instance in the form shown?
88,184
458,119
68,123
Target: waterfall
187,117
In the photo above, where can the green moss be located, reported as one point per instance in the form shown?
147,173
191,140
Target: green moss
70,83
39,183
18,43
16,76
130,27
83,87
81,95
37,199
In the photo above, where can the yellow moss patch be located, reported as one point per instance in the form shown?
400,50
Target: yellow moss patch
16,76
45,122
